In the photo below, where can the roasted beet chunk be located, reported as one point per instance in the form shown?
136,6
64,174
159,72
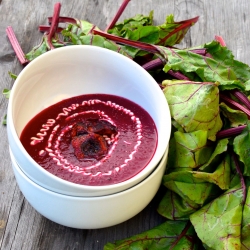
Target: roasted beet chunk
101,127
89,146
105,128
88,138
78,129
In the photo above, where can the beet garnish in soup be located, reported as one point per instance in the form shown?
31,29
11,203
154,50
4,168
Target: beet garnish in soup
94,139
89,138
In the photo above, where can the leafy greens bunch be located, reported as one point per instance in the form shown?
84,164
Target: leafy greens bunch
207,178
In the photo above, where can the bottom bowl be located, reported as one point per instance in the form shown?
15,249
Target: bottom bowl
90,212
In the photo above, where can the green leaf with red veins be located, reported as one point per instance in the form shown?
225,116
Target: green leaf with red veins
225,57
80,28
245,231
218,224
37,51
128,26
191,149
141,28
172,32
169,235
220,177
235,176
242,148
80,34
85,27
194,105
235,117
100,41
205,68
215,159
173,207
189,188
42,48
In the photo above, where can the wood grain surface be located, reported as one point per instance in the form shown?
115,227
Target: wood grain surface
21,227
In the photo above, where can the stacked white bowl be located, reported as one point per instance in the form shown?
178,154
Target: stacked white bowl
68,72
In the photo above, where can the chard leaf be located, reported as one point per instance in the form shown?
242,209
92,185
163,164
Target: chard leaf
191,149
80,34
242,148
225,57
81,27
169,235
85,27
194,105
6,93
141,28
37,51
214,160
172,32
100,41
206,68
220,177
13,76
218,224
235,117
42,48
245,231
128,26
235,177
189,188
173,207
147,34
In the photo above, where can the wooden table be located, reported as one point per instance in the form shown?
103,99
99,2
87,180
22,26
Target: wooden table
21,227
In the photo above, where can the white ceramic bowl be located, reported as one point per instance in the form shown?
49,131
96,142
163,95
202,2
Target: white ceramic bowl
72,71
90,212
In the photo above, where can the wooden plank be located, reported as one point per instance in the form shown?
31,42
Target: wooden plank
21,227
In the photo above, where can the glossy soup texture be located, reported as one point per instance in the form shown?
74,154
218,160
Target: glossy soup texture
95,139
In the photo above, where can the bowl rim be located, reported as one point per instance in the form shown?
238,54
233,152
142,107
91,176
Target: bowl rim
92,198
84,188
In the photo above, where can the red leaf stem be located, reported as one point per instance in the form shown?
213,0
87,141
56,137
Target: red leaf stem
234,104
184,24
16,46
54,24
220,40
140,45
243,185
183,234
230,132
63,19
118,14
178,75
46,28
157,63
152,64
242,97
201,52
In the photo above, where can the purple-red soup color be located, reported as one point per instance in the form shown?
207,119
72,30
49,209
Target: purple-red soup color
94,139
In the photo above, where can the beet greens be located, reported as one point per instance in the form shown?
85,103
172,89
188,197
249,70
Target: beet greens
207,198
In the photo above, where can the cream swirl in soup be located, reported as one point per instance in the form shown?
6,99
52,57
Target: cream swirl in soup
94,139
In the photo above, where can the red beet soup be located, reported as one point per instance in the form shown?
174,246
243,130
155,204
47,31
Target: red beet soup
94,139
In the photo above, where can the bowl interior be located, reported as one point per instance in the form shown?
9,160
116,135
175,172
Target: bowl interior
78,70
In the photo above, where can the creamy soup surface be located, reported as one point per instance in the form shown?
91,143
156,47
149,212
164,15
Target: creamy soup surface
94,139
